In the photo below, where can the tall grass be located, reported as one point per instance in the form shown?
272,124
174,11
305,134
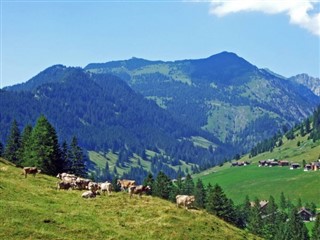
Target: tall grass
32,208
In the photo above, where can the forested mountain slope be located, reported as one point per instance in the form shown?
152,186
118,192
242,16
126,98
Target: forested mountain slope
223,94
105,114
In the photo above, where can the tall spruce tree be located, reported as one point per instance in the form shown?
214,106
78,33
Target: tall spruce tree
43,149
1,149
316,229
77,159
65,157
11,151
219,205
162,186
25,141
255,221
188,186
200,194
283,202
296,228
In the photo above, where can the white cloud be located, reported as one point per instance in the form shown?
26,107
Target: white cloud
304,13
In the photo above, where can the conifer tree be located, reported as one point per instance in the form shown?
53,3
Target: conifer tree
316,229
149,181
11,151
1,149
269,229
283,202
65,157
43,149
200,194
188,186
219,205
255,220
77,159
25,142
296,229
162,186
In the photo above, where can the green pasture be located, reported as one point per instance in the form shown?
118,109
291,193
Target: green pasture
32,208
261,182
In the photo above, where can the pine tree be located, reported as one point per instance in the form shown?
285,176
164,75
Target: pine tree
162,186
307,124
149,181
188,186
316,229
296,228
25,142
43,149
1,149
77,159
11,151
219,205
65,157
269,226
255,220
200,194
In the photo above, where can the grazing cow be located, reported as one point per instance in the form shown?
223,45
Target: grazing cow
125,184
30,170
106,187
138,190
93,186
185,200
88,194
65,185
82,183
63,175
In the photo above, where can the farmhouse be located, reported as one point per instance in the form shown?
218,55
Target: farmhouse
294,166
305,214
283,163
263,205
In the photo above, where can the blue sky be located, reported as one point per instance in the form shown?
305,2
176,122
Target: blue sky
38,34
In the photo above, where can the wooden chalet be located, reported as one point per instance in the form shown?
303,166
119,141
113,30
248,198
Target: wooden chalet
283,163
295,166
305,214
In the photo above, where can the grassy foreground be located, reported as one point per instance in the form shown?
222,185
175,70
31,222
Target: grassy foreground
32,208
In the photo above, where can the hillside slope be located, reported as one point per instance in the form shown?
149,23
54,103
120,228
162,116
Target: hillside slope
104,113
34,209
262,182
223,94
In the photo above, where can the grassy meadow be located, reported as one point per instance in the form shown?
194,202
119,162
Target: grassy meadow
32,208
262,182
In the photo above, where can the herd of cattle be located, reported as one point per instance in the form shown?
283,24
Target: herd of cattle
70,181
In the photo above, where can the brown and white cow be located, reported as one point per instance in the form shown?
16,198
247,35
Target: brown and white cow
30,170
65,185
185,200
125,184
89,194
106,187
138,190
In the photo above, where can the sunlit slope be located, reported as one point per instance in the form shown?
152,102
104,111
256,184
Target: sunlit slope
262,182
32,208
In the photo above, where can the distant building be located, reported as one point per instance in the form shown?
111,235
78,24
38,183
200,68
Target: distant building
305,215
283,163
295,166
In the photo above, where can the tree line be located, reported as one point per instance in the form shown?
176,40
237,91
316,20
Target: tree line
38,146
310,125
